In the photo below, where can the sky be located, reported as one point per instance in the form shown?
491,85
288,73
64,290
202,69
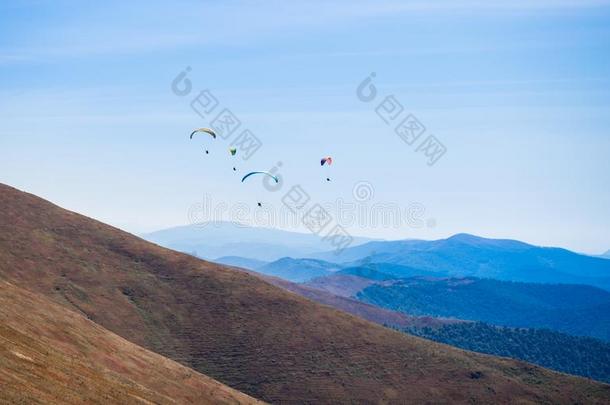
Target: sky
517,92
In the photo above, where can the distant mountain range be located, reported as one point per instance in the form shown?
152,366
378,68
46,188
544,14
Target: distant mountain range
461,255
221,239
574,309
470,256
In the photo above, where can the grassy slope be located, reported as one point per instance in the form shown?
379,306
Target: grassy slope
244,332
49,354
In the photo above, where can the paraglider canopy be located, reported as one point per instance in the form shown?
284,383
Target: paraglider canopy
326,161
261,173
206,130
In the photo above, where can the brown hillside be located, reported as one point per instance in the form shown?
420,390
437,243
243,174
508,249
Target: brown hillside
244,332
49,354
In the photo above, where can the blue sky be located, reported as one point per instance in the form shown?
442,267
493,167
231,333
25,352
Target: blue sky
518,92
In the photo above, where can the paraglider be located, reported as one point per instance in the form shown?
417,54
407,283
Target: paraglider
327,161
261,173
233,152
207,131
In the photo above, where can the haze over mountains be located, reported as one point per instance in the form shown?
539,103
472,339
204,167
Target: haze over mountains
218,239
461,255
243,331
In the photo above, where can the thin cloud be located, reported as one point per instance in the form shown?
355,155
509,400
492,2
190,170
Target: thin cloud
137,28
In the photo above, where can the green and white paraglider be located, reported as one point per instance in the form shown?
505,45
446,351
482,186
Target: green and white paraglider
233,152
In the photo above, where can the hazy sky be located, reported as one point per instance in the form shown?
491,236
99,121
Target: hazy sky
517,91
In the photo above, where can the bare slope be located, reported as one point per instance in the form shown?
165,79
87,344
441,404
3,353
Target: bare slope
49,354
245,332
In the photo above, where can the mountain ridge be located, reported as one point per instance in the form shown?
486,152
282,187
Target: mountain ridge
465,255
242,331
